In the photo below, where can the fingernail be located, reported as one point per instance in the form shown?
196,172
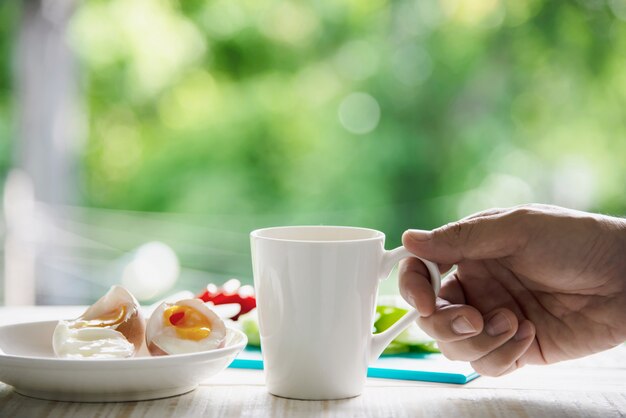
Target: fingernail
524,331
420,235
497,325
461,325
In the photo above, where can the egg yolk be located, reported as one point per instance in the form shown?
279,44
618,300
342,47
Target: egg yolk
188,322
109,319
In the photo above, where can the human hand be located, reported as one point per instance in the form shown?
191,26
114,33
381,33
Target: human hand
534,284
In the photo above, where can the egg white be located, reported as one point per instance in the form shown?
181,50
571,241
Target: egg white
90,342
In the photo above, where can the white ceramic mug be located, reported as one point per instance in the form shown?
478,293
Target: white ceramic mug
316,292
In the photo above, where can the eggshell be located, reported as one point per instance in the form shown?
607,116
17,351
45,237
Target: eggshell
133,327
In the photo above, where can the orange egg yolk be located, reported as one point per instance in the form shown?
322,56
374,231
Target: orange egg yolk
108,319
188,322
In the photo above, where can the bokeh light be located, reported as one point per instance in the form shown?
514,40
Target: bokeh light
359,113
152,270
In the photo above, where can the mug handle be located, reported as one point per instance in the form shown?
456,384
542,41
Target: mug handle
379,342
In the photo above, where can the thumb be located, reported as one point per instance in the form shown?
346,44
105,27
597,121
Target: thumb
468,239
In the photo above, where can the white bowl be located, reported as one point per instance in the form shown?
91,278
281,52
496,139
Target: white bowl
28,363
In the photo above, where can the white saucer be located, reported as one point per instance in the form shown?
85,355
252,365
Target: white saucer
28,363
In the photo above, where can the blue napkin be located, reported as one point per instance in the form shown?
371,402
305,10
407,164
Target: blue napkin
412,366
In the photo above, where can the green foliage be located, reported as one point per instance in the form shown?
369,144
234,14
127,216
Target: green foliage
9,17
244,112
234,108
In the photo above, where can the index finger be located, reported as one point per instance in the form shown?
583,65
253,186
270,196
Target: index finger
490,236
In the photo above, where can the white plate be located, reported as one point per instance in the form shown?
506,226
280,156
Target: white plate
28,363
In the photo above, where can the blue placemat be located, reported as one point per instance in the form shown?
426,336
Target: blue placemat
425,367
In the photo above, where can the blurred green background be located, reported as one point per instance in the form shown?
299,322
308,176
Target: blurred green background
206,119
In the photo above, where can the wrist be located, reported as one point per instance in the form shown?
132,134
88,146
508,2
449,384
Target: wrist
620,242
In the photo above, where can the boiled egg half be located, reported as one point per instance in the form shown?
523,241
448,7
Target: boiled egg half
113,327
186,326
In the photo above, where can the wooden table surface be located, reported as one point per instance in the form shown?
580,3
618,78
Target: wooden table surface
591,387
